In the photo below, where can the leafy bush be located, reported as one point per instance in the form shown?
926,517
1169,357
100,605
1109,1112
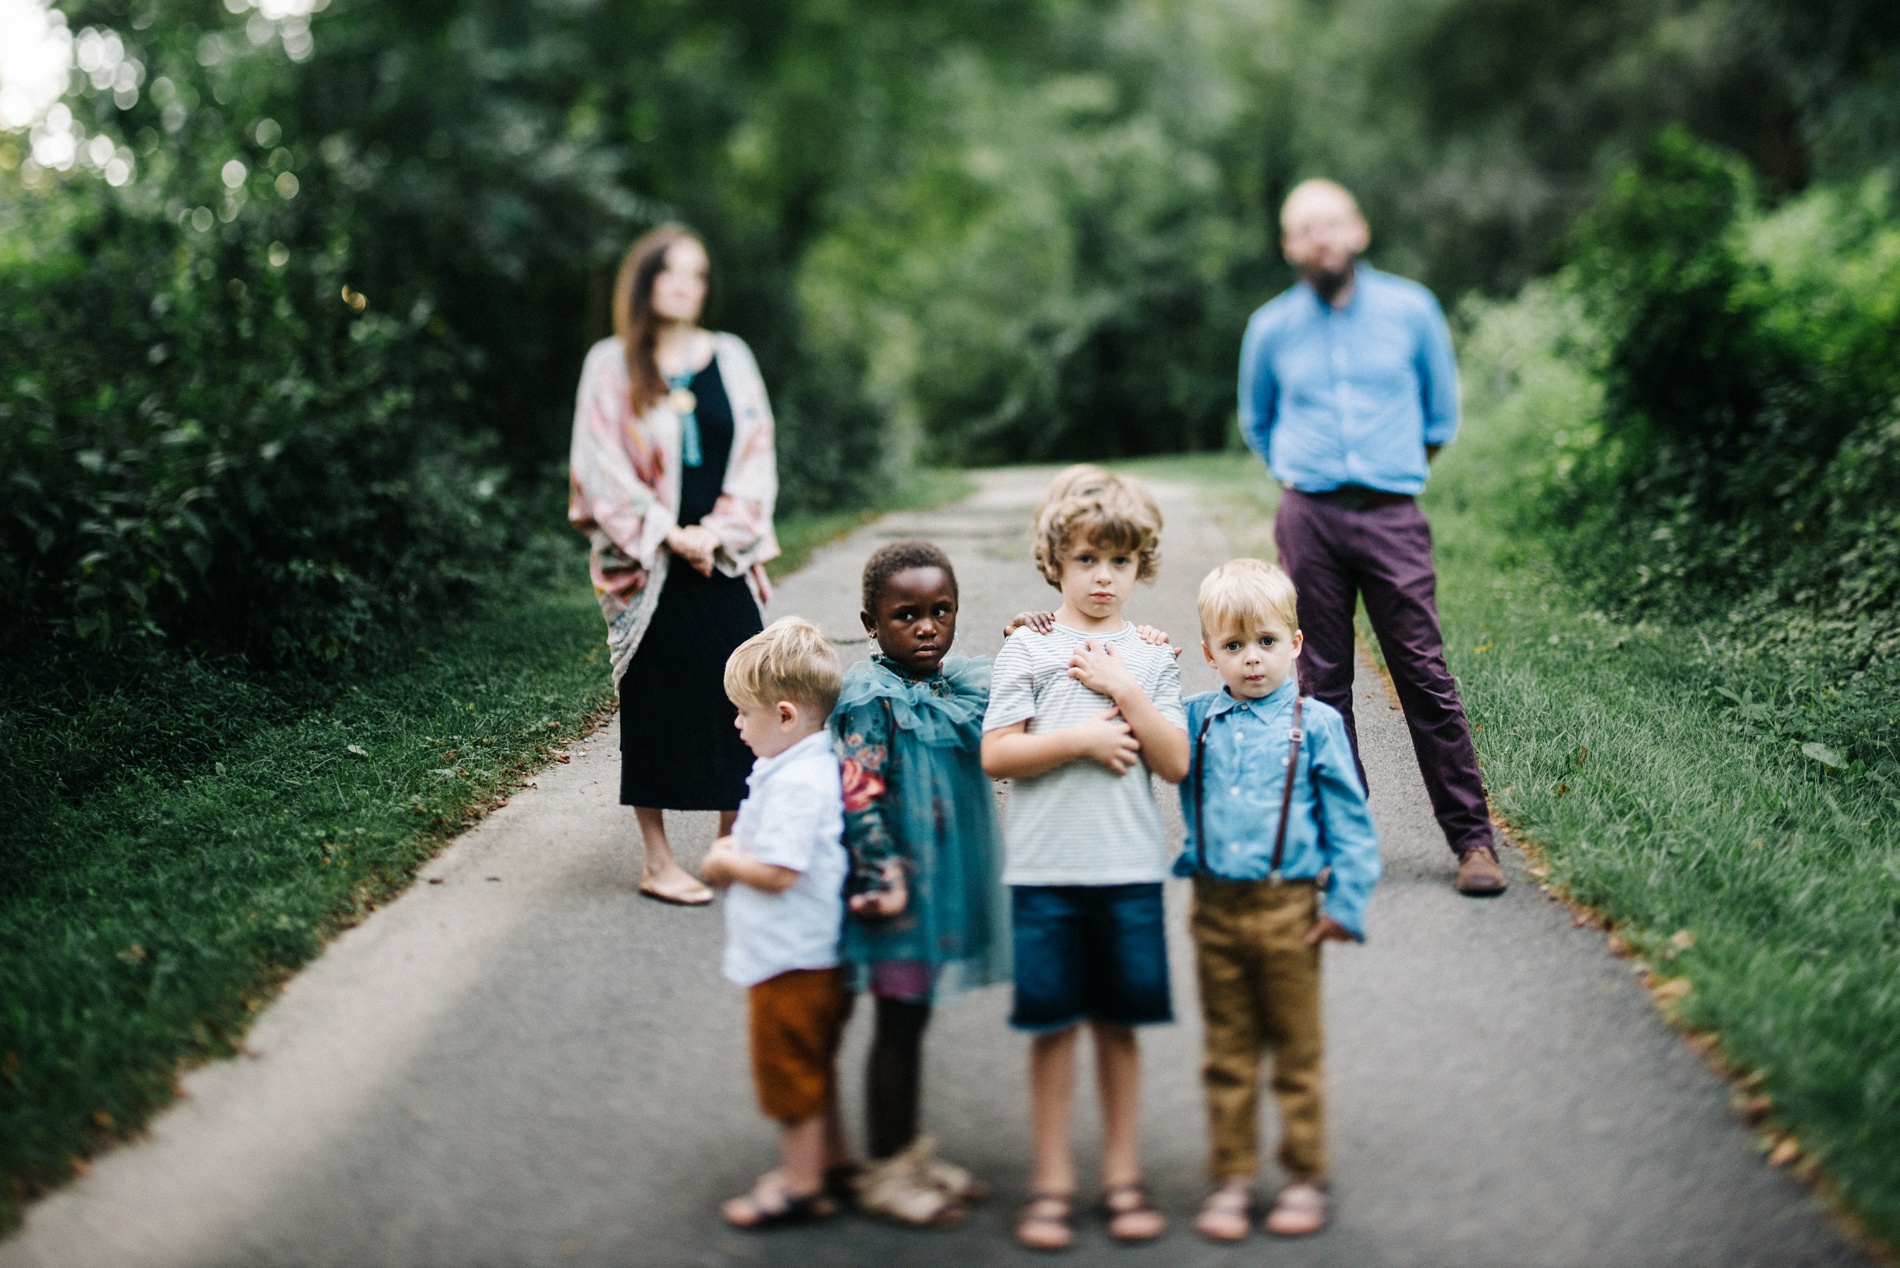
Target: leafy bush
1747,440
205,438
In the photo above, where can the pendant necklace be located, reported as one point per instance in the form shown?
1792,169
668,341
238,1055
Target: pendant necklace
685,404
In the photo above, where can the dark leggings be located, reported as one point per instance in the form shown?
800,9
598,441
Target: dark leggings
894,1075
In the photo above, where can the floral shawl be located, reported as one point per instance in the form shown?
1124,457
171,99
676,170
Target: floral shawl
915,792
624,488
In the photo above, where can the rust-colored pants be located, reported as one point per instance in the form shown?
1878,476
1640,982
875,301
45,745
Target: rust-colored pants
1260,991
797,1021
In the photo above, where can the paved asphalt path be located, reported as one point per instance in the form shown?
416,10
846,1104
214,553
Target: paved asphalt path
528,1064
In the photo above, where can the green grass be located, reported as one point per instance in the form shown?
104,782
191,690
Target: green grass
1723,854
183,834
212,828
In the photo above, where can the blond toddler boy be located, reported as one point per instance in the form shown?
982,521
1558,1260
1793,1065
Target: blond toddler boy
785,865
1282,851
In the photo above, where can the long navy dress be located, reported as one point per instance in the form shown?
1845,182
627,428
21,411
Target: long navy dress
678,747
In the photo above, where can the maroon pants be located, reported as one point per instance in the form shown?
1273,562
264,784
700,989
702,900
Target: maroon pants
1335,555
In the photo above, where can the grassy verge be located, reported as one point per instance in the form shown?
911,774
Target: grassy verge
155,904
182,835
1758,886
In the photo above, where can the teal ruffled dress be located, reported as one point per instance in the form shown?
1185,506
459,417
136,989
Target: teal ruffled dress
914,790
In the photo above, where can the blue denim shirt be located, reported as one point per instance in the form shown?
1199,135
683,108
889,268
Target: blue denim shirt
1244,760
1331,397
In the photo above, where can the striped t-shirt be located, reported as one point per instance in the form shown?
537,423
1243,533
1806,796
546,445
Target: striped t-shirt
1080,824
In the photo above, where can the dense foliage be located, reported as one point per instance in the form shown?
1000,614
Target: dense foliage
1747,449
980,231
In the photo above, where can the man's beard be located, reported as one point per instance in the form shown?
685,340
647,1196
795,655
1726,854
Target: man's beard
1331,282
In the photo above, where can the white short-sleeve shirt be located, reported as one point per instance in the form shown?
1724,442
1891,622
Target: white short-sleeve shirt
1080,824
793,817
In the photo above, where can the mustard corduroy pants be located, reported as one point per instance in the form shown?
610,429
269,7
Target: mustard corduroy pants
1259,993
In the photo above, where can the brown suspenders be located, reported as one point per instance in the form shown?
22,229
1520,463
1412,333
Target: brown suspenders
1295,736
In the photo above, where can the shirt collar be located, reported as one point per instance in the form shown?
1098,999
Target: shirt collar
1265,706
819,739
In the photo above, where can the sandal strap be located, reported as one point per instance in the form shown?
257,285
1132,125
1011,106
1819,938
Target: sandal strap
1225,1199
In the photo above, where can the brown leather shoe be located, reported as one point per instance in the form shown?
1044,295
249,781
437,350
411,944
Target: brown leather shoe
1479,875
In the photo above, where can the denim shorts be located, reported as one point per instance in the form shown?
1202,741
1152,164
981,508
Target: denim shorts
1089,953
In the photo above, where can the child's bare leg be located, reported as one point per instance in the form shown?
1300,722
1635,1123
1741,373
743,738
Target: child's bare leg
1118,1072
802,1152
1051,1093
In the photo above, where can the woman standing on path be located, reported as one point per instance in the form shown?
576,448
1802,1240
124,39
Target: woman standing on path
673,478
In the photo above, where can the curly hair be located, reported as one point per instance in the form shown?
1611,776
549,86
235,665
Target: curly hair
894,557
1118,514
1084,479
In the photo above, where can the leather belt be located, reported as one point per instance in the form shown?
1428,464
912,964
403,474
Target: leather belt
1356,497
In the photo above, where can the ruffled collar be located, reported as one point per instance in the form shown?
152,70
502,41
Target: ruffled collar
944,710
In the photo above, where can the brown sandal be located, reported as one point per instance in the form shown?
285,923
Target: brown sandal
1124,1204
1052,1212
1227,1214
769,1205
1300,1210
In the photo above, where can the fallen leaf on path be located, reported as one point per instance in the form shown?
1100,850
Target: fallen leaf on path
1754,1108
1682,939
1674,988
491,878
80,1166
1618,945
562,757
1786,1152
435,880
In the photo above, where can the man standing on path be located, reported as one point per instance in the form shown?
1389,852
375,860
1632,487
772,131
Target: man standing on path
1348,389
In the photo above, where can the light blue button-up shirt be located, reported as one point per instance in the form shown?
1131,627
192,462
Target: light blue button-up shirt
1241,769
1332,397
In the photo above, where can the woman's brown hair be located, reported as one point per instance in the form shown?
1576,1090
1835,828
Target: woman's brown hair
634,321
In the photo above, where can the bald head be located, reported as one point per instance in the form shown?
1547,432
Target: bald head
1322,235
1318,198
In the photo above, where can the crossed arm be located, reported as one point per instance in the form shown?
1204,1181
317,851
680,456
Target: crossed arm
1117,738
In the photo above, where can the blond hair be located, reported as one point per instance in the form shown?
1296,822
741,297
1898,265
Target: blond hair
1098,508
787,660
1241,595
